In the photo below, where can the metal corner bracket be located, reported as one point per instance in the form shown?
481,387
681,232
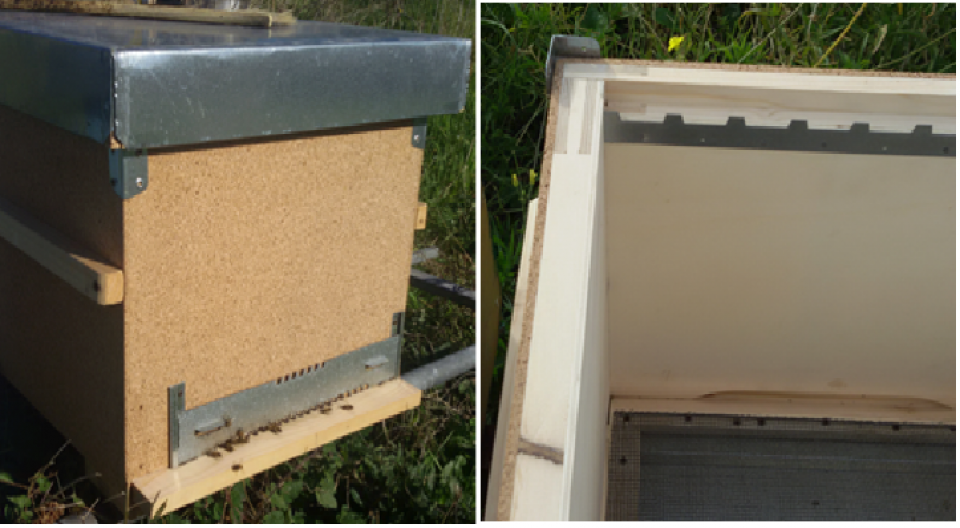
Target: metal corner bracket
562,46
396,327
418,138
128,172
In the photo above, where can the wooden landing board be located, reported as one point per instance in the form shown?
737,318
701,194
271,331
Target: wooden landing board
75,265
173,488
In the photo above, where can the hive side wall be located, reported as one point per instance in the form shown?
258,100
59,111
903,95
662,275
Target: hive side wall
739,270
59,348
247,261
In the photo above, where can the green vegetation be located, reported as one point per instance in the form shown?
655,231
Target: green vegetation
415,467
515,39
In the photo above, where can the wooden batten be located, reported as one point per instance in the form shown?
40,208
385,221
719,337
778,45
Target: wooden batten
246,17
693,280
76,266
421,222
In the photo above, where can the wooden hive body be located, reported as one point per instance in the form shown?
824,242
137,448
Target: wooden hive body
716,277
194,215
243,262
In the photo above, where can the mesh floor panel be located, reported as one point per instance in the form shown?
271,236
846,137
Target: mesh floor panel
699,467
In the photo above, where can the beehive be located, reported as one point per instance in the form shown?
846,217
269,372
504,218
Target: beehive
250,193
736,300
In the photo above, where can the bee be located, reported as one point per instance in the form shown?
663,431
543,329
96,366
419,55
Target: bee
347,407
241,438
213,453
274,428
236,467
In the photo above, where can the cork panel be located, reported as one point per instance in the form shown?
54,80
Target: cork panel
60,349
247,261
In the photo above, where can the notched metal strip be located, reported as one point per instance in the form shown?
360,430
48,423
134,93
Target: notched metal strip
795,137
195,431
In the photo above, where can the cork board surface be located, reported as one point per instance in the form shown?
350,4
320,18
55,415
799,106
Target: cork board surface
247,261
57,347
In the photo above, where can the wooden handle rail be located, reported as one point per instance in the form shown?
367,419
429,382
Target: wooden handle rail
181,14
421,216
77,267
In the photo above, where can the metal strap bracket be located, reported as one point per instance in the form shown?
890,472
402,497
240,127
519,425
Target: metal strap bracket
194,432
418,138
128,172
562,46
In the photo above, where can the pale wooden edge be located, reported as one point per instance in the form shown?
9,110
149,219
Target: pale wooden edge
512,438
421,222
868,409
96,280
556,354
775,98
767,78
516,326
584,466
174,488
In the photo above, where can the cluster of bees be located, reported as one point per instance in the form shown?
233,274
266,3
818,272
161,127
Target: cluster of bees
241,437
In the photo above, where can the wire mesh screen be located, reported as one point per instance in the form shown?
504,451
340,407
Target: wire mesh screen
712,467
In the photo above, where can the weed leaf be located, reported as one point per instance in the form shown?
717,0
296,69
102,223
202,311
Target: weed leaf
278,502
595,20
274,517
664,17
237,494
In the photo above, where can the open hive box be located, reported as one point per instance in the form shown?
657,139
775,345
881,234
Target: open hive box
207,231
736,300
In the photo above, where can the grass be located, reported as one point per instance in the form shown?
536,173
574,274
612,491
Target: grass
515,39
415,467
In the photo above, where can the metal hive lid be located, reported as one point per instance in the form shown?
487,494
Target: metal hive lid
158,83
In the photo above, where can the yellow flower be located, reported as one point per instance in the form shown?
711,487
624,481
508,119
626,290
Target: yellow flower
900,9
674,43
515,184
533,177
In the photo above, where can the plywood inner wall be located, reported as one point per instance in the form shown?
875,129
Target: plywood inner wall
249,261
780,271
